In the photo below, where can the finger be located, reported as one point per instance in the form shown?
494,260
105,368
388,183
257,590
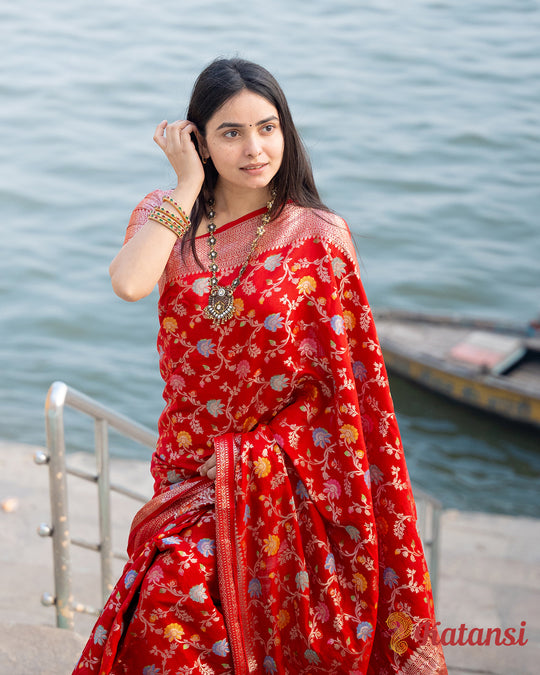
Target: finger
159,135
181,130
181,123
178,126
187,134
189,128
208,465
174,134
211,461
210,473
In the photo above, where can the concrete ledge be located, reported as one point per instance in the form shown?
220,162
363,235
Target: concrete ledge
490,578
38,650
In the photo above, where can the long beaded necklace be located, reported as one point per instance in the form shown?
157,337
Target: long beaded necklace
221,301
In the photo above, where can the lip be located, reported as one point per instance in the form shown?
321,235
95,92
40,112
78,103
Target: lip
254,168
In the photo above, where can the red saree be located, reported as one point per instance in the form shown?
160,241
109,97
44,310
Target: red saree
304,557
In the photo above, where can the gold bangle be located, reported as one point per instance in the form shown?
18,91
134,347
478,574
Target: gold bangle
178,231
166,218
171,216
176,205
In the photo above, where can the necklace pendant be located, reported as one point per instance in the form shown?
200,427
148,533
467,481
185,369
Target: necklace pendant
221,301
220,304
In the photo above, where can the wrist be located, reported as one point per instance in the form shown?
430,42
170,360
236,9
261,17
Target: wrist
186,194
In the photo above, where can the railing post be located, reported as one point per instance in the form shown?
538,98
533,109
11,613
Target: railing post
58,397
434,558
105,539
54,425
429,513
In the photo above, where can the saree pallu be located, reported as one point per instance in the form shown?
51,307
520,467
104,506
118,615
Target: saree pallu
304,556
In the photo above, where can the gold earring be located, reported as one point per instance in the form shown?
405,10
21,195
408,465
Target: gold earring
204,159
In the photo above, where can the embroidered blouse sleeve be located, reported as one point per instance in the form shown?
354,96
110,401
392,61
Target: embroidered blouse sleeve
141,212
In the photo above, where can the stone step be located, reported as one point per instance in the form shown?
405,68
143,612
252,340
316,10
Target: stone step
27,649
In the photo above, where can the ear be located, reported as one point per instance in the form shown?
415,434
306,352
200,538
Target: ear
203,148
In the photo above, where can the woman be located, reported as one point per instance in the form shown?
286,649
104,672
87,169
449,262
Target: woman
281,537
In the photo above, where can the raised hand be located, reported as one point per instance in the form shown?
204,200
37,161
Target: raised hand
175,141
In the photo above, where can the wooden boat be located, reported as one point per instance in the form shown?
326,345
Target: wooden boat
487,365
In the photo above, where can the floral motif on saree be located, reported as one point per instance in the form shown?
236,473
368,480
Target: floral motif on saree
310,530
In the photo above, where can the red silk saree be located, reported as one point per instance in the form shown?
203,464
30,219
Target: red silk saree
304,556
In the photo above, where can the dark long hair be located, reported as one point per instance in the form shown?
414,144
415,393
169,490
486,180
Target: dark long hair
219,82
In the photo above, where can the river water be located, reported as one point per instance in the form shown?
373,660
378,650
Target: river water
422,120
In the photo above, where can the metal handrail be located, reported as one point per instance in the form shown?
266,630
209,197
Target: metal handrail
59,396
429,510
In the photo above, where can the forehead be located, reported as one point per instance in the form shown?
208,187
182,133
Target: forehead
245,108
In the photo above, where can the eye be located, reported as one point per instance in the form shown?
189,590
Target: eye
231,134
268,128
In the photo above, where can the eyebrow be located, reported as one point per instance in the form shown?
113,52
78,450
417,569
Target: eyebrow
228,125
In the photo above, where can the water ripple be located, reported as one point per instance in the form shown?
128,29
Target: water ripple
422,122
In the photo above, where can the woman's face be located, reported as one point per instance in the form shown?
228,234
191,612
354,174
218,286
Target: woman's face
245,141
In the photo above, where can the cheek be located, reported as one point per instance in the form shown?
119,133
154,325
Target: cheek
277,146
222,156
279,151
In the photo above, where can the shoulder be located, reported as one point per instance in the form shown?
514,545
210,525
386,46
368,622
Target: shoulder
322,228
151,200
140,213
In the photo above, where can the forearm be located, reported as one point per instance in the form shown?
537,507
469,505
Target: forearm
140,263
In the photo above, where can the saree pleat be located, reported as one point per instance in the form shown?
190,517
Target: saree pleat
315,564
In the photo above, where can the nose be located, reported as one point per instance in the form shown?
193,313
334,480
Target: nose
253,147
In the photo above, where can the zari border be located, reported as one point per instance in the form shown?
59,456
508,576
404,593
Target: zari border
294,226
182,498
227,562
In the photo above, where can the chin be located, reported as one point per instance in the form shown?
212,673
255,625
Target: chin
261,180
257,183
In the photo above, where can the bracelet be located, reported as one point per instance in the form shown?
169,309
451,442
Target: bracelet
176,205
171,218
172,225
181,222
177,231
